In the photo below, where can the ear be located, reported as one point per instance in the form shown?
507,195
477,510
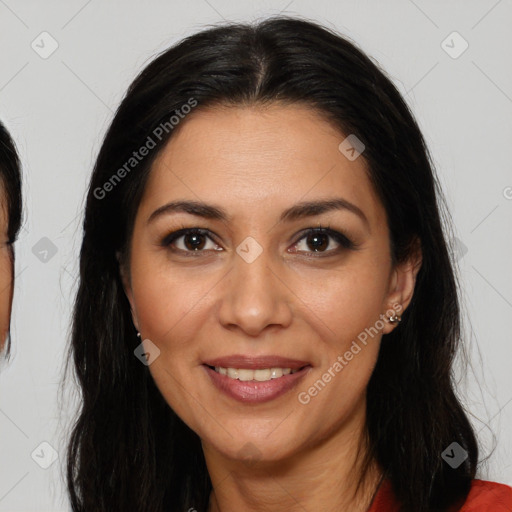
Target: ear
402,283
125,279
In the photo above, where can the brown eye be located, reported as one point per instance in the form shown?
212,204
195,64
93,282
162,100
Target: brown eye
193,241
323,240
189,240
317,241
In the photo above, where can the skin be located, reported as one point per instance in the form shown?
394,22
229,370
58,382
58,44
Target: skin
6,276
291,301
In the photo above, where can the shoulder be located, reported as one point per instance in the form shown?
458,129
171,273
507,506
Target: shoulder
487,496
483,496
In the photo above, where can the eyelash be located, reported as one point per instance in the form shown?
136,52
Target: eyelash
344,242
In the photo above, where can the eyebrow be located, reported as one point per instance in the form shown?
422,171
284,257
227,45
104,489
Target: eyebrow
298,211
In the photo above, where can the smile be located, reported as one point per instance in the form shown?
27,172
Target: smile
255,386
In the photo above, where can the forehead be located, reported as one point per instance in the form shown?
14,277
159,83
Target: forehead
252,156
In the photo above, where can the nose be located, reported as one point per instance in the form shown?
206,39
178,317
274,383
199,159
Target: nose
255,297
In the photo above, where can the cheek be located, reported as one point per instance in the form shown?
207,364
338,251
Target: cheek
345,311
168,304
347,301
168,309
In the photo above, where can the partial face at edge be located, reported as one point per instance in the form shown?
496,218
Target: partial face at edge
6,272
304,297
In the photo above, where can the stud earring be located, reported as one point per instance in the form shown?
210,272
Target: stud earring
138,334
394,319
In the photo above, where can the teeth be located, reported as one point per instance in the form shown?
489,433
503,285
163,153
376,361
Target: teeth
261,375
233,373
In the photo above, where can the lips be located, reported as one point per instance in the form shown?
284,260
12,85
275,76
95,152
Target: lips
256,390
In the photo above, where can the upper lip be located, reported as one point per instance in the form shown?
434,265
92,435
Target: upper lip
256,362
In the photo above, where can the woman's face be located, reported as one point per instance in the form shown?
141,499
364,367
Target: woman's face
6,276
256,287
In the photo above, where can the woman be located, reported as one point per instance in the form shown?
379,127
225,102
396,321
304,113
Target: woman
10,220
267,312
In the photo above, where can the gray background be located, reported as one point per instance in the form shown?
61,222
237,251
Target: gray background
58,109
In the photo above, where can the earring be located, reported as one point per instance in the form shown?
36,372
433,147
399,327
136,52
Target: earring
138,334
394,319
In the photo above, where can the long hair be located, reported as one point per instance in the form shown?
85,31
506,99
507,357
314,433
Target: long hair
10,199
128,449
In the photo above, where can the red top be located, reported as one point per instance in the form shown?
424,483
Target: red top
483,496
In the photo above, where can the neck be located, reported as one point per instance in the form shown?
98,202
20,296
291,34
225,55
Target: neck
323,477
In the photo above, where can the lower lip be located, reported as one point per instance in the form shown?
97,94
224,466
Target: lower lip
254,391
